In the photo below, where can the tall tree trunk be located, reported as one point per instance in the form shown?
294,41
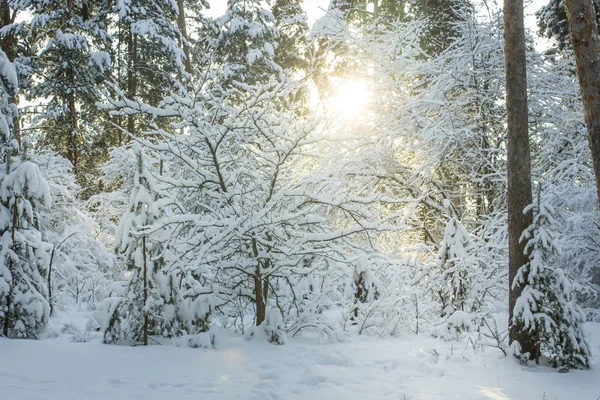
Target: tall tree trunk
8,42
50,300
131,75
121,40
586,43
145,291
518,160
73,140
183,30
7,313
260,301
259,293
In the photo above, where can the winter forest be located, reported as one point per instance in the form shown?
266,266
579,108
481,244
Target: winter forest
300,199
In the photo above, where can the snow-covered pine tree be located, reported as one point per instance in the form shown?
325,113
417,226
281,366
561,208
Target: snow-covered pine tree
149,56
451,281
146,309
292,44
554,24
65,63
547,309
363,285
247,42
24,256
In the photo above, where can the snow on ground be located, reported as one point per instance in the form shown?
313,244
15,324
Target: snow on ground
410,368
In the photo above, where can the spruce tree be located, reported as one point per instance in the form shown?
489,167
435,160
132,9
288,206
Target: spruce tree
67,63
553,22
363,286
292,44
146,308
547,309
247,43
452,280
24,304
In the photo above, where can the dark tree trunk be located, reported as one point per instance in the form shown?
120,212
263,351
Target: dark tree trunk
8,302
259,290
260,301
73,140
8,42
119,69
50,301
131,76
183,30
518,160
586,43
145,291
360,294
7,314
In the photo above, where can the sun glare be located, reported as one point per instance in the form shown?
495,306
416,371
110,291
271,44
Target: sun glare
350,99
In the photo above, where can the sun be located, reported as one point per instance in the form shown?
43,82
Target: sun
350,99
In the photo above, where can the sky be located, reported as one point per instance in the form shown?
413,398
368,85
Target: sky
316,8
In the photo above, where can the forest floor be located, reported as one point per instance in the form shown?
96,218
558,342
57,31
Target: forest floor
364,368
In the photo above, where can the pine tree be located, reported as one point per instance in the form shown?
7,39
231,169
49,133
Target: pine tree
455,267
363,287
146,309
553,22
247,42
292,44
148,57
67,63
546,309
442,16
24,305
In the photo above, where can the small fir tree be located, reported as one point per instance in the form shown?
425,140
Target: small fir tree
363,286
452,278
547,309
146,309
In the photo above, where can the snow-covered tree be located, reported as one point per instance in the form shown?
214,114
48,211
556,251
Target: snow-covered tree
247,42
553,22
292,43
547,309
363,285
148,307
455,267
252,207
80,265
24,255
62,66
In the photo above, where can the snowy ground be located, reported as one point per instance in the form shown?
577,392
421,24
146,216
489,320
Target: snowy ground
362,368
